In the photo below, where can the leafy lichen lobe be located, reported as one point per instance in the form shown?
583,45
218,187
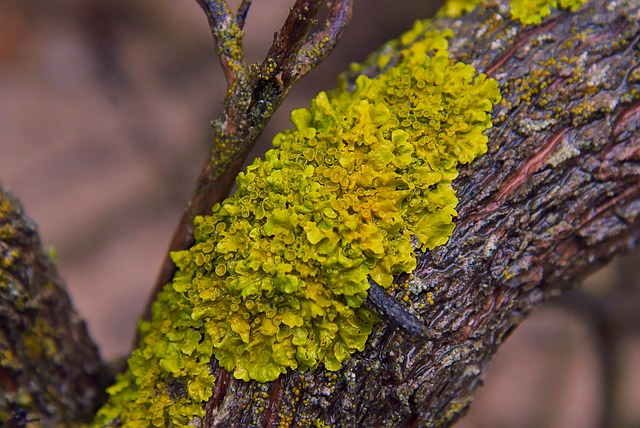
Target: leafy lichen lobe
278,275
279,271
525,11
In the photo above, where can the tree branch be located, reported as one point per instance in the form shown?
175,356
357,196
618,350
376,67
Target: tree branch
320,44
255,92
290,38
227,35
50,370
556,196
241,15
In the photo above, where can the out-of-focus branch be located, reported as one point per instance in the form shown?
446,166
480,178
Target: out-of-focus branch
613,319
241,15
604,331
50,370
255,92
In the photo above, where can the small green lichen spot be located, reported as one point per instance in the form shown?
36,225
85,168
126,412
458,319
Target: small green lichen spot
278,275
525,11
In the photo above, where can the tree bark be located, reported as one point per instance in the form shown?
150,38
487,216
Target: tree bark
50,370
556,196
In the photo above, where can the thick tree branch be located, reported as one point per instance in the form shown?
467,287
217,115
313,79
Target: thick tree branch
556,196
50,370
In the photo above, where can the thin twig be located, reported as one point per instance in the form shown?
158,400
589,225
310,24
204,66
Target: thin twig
391,311
243,8
227,36
321,43
290,39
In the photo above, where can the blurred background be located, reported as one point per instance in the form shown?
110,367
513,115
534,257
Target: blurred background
104,123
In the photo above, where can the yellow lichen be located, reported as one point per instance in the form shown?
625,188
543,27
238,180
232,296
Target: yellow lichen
455,8
532,11
278,274
525,11
338,199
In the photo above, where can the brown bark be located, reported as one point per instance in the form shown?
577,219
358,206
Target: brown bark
556,196
50,370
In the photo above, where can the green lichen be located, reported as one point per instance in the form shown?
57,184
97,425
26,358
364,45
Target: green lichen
456,8
526,11
277,276
532,11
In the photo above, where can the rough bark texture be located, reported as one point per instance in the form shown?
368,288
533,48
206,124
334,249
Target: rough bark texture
50,370
556,196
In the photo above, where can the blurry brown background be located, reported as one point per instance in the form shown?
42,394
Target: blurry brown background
104,123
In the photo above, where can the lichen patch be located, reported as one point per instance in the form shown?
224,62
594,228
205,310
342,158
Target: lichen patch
278,274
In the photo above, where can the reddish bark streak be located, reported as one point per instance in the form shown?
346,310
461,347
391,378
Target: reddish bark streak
487,309
275,399
514,48
412,422
9,384
629,194
523,174
632,114
492,303
219,392
629,115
